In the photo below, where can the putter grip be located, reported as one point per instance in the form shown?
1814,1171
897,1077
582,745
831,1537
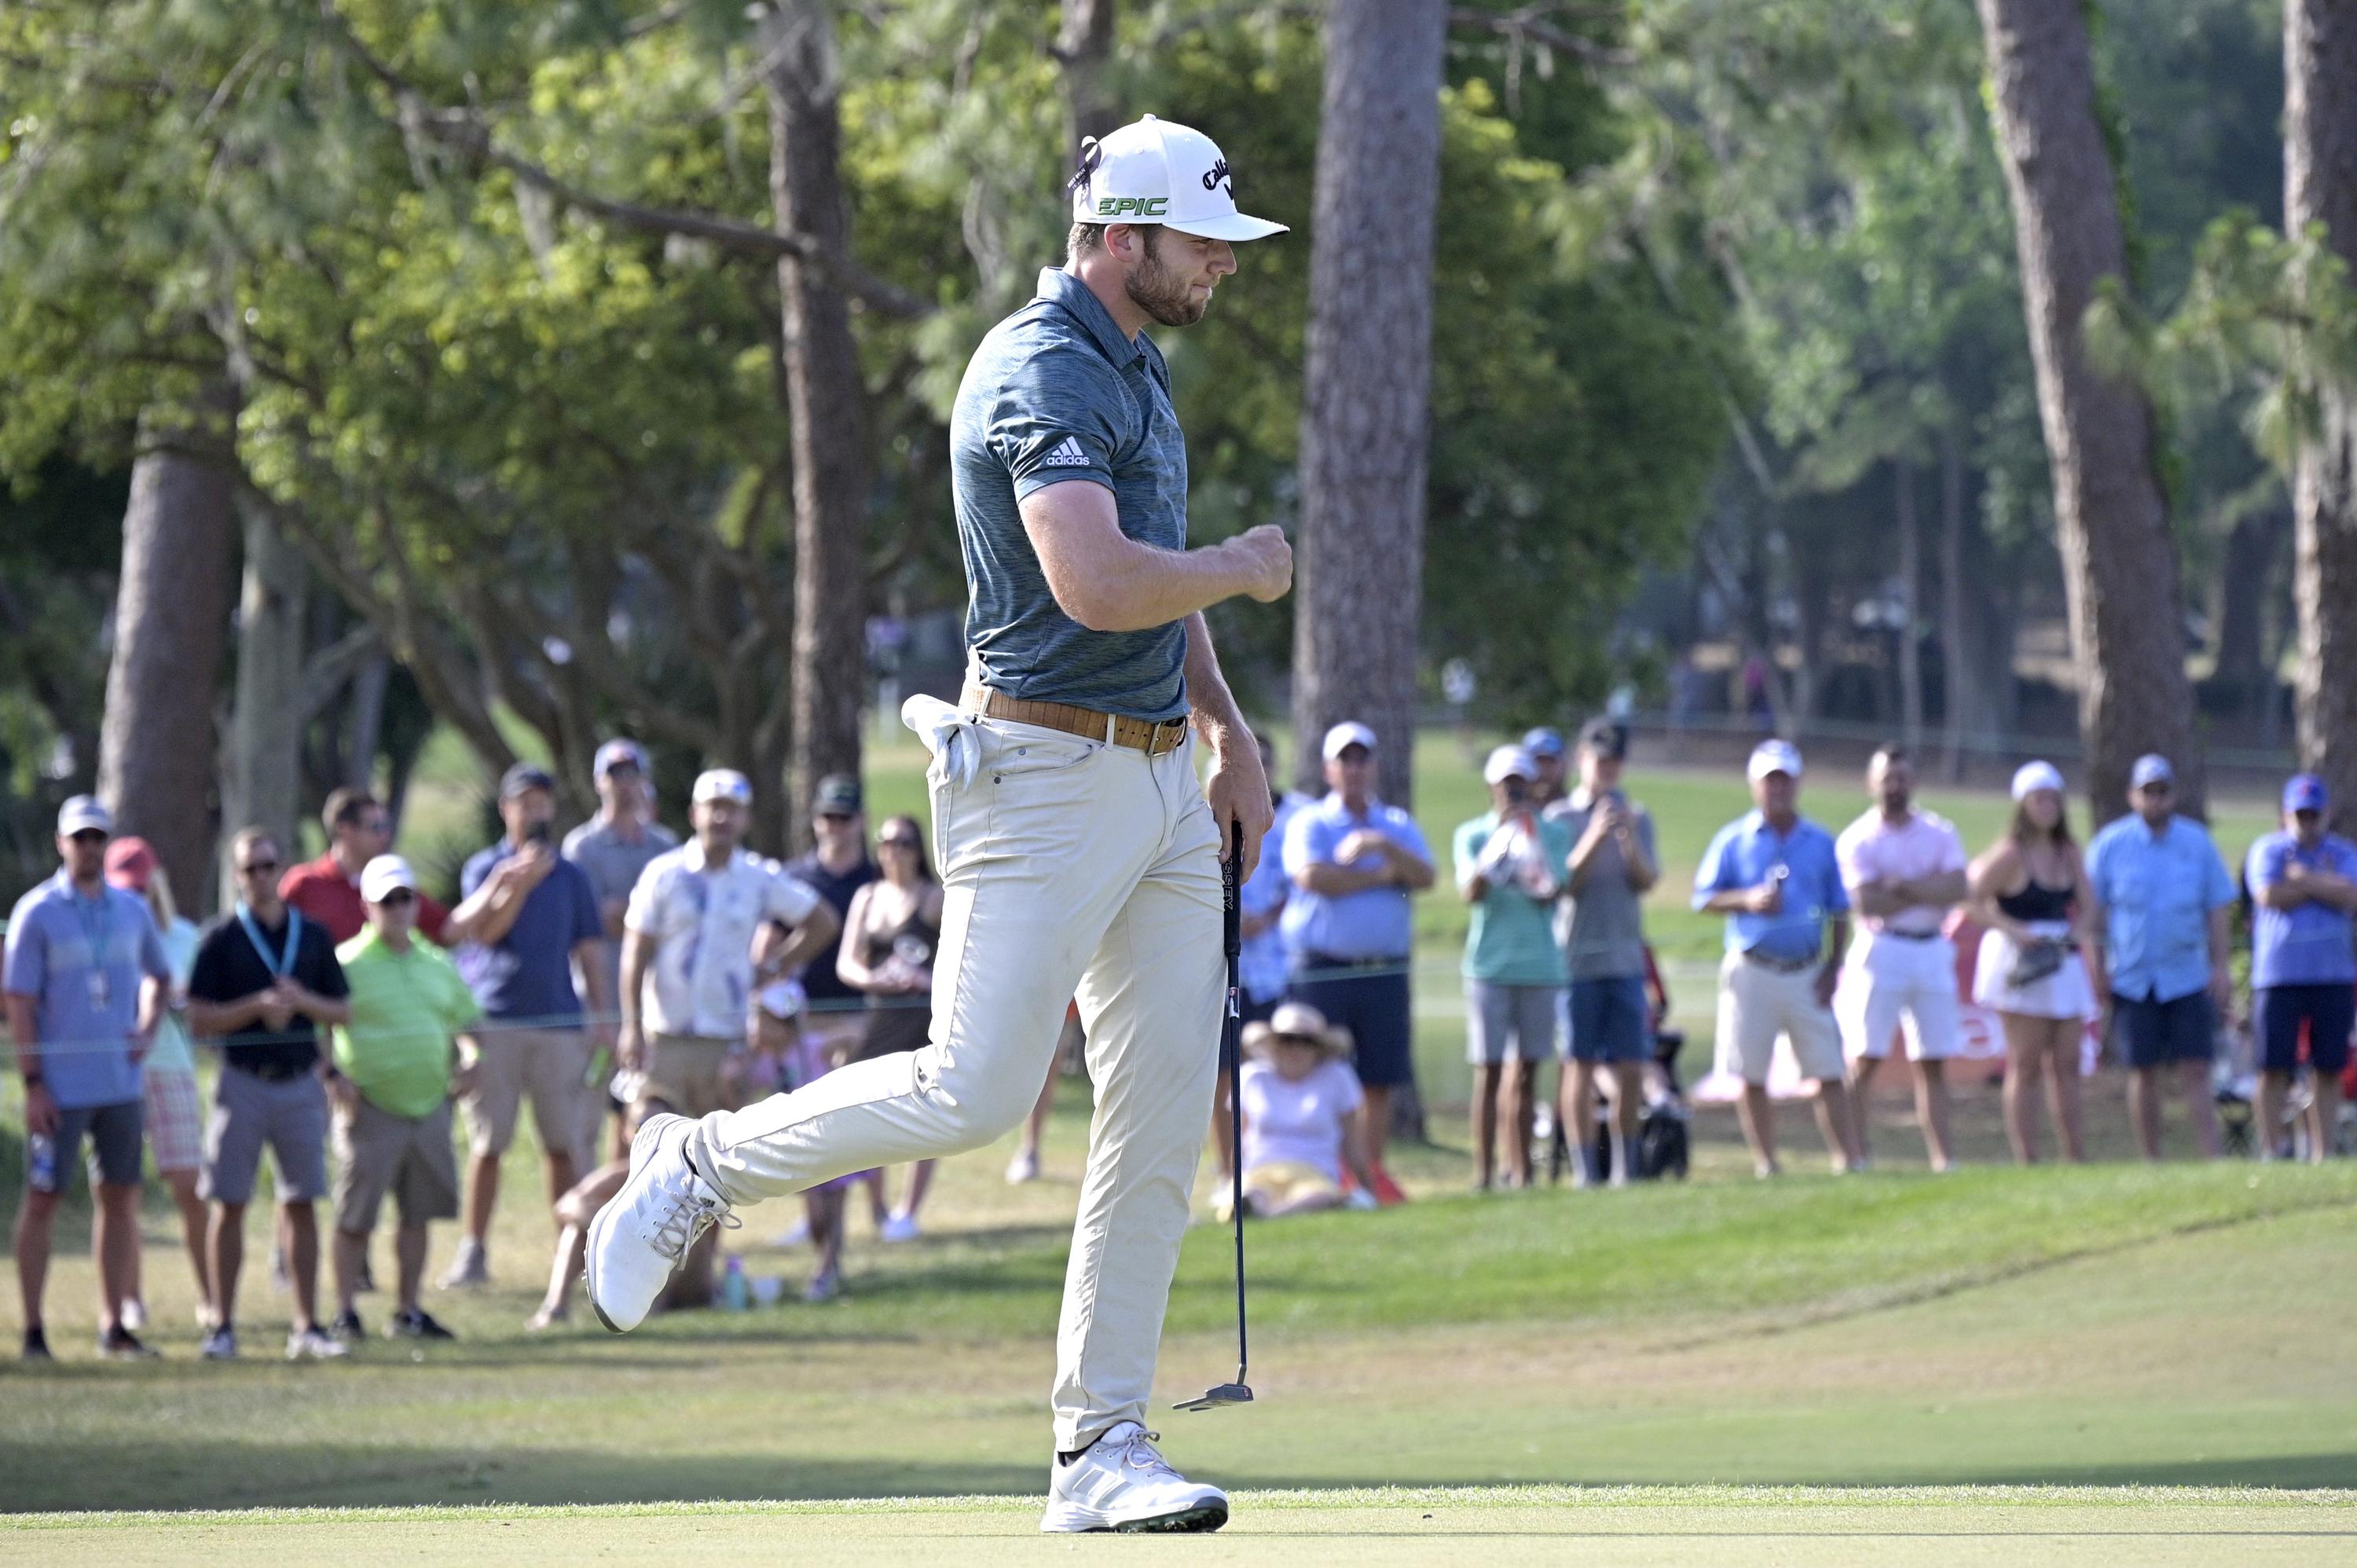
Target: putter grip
1231,902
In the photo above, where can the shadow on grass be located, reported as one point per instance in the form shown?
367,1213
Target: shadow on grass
165,1476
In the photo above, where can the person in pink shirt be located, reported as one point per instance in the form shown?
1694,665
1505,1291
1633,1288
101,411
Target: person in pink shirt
1904,869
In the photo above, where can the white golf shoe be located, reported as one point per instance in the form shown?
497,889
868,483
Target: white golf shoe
637,1240
1121,1482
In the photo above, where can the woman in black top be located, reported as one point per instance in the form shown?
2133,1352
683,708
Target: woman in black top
890,937
2027,895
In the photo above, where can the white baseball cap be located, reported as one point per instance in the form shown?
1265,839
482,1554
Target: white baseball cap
1509,762
384,875
82,813
1347,734
722,784
1774,756
2032,777
1156,172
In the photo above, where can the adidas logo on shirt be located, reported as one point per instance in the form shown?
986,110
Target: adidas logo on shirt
1067,455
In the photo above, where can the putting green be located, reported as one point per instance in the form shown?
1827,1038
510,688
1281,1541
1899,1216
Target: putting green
1823,1527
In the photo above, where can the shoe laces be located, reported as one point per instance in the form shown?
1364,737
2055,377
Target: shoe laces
1139,1453
688,1215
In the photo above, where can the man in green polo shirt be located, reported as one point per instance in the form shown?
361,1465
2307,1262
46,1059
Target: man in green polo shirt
393,1106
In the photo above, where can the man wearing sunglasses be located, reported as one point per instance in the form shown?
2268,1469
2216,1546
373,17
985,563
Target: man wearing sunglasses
2158,961
265,980
393,1097
85,981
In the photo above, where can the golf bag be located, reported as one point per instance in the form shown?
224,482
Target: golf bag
1662,1146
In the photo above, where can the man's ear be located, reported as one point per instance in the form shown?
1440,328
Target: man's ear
1125,242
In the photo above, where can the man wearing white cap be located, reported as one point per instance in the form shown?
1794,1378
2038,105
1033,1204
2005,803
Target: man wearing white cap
397,1055
1079,853
1354,862
1510,866
688,950
1904,870
1775,876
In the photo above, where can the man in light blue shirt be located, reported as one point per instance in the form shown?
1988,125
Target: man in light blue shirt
2158,931
1353,860
85,979
2303,885
1776,878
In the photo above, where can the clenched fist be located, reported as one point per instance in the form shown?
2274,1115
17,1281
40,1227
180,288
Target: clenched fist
1266,559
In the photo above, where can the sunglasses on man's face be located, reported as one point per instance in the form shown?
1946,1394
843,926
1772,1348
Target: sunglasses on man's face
399,898
257,868
2158,788
88,836
897,843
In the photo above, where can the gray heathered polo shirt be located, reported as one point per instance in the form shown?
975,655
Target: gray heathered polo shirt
1055,392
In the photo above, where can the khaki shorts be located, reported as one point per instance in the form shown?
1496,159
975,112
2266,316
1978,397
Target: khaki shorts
684,1071
1275,1184
547,1065
1757,1004
378,1152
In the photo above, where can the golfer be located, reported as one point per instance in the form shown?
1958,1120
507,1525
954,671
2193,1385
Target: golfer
1079,855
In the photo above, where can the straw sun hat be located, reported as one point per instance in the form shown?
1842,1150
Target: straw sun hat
1300,1022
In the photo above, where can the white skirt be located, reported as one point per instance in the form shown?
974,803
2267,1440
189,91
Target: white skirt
2066,994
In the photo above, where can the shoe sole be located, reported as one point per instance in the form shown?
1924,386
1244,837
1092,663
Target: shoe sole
1200,1519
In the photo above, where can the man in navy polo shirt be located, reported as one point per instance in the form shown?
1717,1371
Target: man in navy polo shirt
1079,849
1775,876
536,916
1353,862
2158,931
2303,884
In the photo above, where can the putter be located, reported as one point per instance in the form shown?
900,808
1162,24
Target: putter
1237,1393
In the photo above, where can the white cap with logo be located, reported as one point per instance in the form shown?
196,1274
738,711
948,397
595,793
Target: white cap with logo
1774,756
385,874
1509,762
82,814
722,784
1156,172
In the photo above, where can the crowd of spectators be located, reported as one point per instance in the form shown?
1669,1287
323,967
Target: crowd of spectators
631,971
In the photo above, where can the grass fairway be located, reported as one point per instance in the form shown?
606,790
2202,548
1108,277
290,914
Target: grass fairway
1635,1526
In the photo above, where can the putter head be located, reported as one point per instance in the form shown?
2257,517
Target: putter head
1226,1393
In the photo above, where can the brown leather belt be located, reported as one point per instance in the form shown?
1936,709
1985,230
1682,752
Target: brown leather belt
1138,734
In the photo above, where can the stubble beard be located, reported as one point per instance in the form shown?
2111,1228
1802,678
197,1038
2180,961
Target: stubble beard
1154,290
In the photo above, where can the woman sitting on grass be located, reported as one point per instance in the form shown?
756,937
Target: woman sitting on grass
1304,1116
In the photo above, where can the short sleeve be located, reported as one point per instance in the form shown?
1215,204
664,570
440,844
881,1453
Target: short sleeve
1837,892
1348,1095
477,870
460,1007
209,979
1058,416
29,955
328,972
1408,833
2098,862
1713,874
2264,866
1645,835
2218,890
790,899
1954,858
1465,850
644,912
1302,849
154,962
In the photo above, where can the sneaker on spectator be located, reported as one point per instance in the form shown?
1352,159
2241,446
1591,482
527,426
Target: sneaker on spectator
348,1327
119,1344
311,1344
1023,1168
134,1315
823,1287
36,1346
470,1270
899,1228
221,1344
418,1325
1387,1191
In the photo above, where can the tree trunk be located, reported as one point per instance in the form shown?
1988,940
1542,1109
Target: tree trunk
2119,565
2246,583
1911,577
1084,49
367,720
824,393
259,787
1366,405
171,622
2320,189
1957,707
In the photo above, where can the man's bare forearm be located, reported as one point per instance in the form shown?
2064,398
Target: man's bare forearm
1218,724
1109,581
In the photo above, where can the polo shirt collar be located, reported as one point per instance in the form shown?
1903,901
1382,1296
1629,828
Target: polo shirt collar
1060,287
692,852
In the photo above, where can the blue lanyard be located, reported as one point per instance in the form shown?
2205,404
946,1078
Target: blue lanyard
286,962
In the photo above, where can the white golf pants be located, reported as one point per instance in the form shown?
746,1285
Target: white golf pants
1072,868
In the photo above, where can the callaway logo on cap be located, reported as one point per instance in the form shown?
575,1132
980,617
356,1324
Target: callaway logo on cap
1155,172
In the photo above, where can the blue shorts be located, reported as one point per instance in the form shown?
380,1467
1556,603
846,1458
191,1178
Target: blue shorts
2152,1034
1610,1021
2329,1011
1372,1002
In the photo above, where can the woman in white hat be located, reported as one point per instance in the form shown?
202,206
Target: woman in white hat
2029,893
1305,1116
